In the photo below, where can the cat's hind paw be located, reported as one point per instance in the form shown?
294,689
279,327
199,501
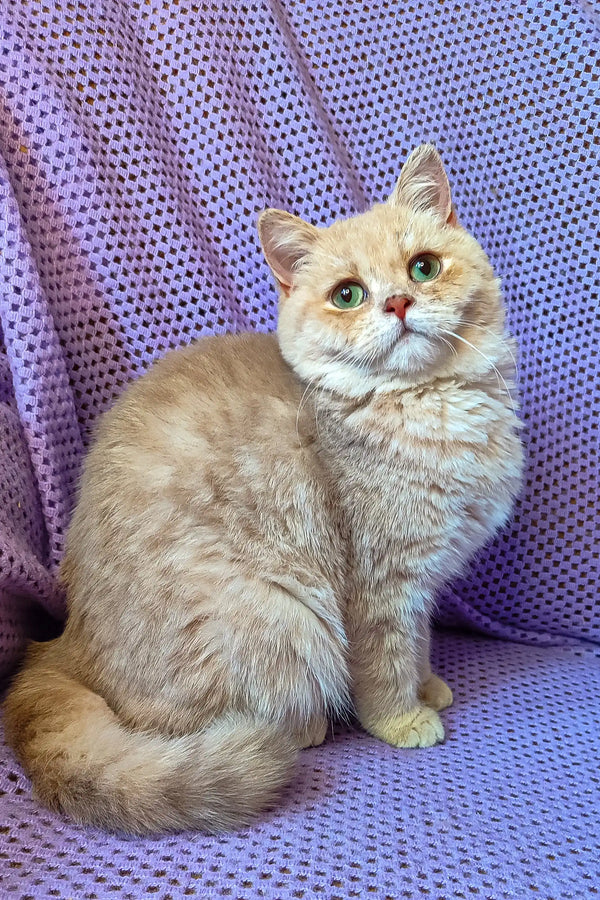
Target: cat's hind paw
435,693
313,735
420,727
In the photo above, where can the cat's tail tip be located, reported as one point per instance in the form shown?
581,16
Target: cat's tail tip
84,763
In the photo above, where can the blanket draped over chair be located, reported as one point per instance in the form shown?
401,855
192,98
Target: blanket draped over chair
139,139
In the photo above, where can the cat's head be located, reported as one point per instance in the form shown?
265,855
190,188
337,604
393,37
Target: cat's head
389,297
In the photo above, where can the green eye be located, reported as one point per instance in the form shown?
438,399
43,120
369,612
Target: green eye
348,295
425,267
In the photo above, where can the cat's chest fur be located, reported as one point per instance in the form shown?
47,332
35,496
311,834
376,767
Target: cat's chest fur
423,476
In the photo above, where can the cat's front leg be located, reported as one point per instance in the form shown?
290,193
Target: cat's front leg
421,726
386,666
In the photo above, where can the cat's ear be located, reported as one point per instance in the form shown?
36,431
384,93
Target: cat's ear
423,185
285,240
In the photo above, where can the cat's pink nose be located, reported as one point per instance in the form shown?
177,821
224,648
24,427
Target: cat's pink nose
398,305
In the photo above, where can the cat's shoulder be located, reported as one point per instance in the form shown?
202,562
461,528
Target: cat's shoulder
213,364
214,354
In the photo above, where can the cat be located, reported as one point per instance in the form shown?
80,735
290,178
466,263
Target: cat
264,522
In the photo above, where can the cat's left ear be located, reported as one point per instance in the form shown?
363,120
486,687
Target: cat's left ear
423,185
286,240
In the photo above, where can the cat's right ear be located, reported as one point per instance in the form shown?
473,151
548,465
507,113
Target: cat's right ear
423,185
285,240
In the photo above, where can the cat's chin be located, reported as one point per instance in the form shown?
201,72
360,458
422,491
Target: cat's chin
413,354
413,359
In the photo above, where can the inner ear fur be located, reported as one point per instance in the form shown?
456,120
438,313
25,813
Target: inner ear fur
423,185
286,240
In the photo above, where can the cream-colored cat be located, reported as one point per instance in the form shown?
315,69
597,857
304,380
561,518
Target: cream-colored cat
264,523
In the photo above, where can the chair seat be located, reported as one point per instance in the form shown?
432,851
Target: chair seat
507,807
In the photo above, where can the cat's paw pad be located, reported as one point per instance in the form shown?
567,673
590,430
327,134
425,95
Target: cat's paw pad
435,693
421,727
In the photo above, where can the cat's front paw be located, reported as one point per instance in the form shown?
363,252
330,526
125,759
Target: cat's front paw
435,693
420,727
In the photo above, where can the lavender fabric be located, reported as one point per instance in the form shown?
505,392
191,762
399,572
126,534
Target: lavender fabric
506,809
139,139
138,145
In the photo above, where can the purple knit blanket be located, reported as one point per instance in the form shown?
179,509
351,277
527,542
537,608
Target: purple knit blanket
139,140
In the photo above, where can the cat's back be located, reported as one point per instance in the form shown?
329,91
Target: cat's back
206,448
199,492
197,402
231,377
207,428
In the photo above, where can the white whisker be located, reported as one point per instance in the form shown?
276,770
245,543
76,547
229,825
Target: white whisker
307,389
344,355
448,344
499,375
491,331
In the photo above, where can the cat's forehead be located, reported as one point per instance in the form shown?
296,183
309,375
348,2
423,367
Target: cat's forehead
384,233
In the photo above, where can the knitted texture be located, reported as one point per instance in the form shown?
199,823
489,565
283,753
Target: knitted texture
141,138
506,809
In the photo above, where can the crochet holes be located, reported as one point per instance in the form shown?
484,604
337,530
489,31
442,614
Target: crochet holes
365,820
140,140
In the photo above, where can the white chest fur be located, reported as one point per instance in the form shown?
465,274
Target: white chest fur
425,477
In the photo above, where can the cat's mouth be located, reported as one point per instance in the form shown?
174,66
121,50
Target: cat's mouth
404,332
407,350
402,348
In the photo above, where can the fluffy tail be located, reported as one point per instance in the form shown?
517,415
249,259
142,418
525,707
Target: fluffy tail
84,763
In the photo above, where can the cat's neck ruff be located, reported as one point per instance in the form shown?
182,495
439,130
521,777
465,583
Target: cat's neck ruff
491,363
